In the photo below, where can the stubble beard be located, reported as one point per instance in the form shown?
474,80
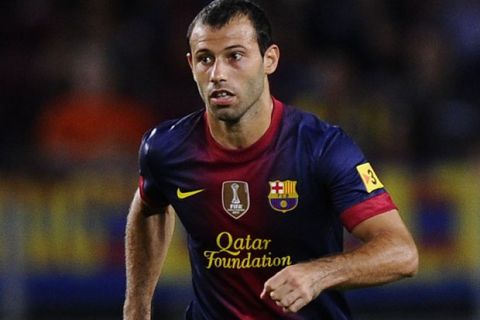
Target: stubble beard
233,114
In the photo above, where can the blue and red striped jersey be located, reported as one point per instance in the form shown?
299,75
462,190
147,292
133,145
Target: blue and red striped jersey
249,213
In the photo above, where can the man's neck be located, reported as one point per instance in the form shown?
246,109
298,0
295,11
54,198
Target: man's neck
245,132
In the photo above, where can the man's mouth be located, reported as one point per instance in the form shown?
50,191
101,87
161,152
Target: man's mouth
221,97
220,94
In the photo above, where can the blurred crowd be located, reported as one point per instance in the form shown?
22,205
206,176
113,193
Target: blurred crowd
82,80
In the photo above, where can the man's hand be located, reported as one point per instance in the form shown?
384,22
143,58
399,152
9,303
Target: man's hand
294,286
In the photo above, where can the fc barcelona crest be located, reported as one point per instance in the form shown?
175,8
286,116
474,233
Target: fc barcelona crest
283,196
235,198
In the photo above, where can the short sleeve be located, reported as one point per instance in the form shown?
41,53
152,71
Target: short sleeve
150,191
354,189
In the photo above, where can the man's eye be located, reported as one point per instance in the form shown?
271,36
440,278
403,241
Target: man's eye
205,59
236,56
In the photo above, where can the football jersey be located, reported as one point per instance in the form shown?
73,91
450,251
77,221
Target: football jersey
249,213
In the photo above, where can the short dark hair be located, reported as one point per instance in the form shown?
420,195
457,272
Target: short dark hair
220,12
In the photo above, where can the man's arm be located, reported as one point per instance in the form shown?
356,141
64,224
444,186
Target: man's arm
146,243
388,253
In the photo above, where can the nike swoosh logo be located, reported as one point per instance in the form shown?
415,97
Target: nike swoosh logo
183,195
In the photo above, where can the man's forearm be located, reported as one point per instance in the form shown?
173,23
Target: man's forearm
146,243
384,259
387,254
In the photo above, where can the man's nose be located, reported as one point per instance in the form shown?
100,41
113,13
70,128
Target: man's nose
217,73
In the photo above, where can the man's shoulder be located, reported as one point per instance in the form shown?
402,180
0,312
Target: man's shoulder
172,133
318,137
175,127
309,124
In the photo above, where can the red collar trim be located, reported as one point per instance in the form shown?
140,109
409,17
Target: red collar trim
253,151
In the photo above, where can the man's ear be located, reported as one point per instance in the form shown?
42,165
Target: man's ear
271,58
190,63
189,59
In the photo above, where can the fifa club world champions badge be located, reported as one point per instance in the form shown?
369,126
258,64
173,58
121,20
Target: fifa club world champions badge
283,196
235,198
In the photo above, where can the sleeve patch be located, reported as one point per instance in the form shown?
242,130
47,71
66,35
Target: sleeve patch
369,178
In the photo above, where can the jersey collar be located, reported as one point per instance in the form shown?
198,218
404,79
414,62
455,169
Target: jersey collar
253,151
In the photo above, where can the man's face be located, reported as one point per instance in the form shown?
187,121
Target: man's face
228,68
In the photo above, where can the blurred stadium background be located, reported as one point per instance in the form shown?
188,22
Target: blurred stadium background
80,81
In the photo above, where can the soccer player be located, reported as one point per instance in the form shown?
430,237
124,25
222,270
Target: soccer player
262,189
